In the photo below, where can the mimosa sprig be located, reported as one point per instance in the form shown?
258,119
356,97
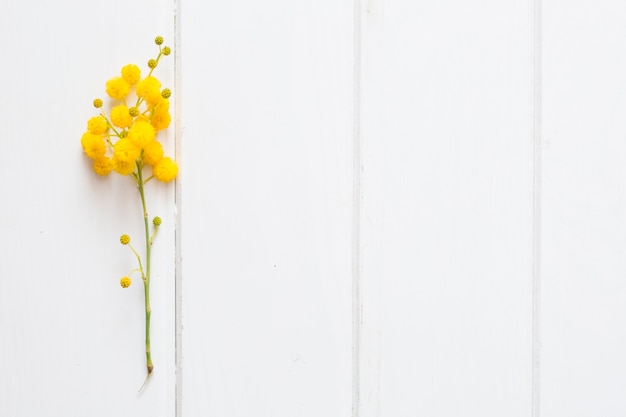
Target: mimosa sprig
125,141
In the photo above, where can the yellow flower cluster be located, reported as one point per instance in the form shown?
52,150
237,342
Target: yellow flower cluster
125,140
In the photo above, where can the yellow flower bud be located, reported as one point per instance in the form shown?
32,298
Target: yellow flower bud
156,221
124,239
166,50
158,40
152,63
125,282
97,103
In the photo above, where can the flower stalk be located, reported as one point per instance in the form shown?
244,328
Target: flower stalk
124,140
146,275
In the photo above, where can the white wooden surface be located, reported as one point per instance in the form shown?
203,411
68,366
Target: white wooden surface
71,339
266,214
358,186
448,204
583,368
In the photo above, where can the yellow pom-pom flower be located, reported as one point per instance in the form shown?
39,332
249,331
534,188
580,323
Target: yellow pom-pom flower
93,145
102,165
150,90
122,167
125,282
120,116
131,74
141,133
124,239
117,88
166,170
125,150
97,125
161,115
153,153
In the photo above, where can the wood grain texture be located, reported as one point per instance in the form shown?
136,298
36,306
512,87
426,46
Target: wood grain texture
71,340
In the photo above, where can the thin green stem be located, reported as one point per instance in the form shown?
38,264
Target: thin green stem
138,259
139,99
110,124
157,60
156,229
146,277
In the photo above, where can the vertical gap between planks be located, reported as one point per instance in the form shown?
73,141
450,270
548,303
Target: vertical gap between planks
178,130
537,160
356,208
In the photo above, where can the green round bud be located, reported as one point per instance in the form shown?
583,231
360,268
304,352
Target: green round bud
133,111
166,50
152,63
166,93
123,133
97,103
156,221
158,40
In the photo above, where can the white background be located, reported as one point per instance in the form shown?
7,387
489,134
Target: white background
384,208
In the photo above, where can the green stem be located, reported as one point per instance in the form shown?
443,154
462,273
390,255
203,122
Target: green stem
146,277
138,259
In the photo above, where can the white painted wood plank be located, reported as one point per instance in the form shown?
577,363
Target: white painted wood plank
71,340
266,208
583,366
447,218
